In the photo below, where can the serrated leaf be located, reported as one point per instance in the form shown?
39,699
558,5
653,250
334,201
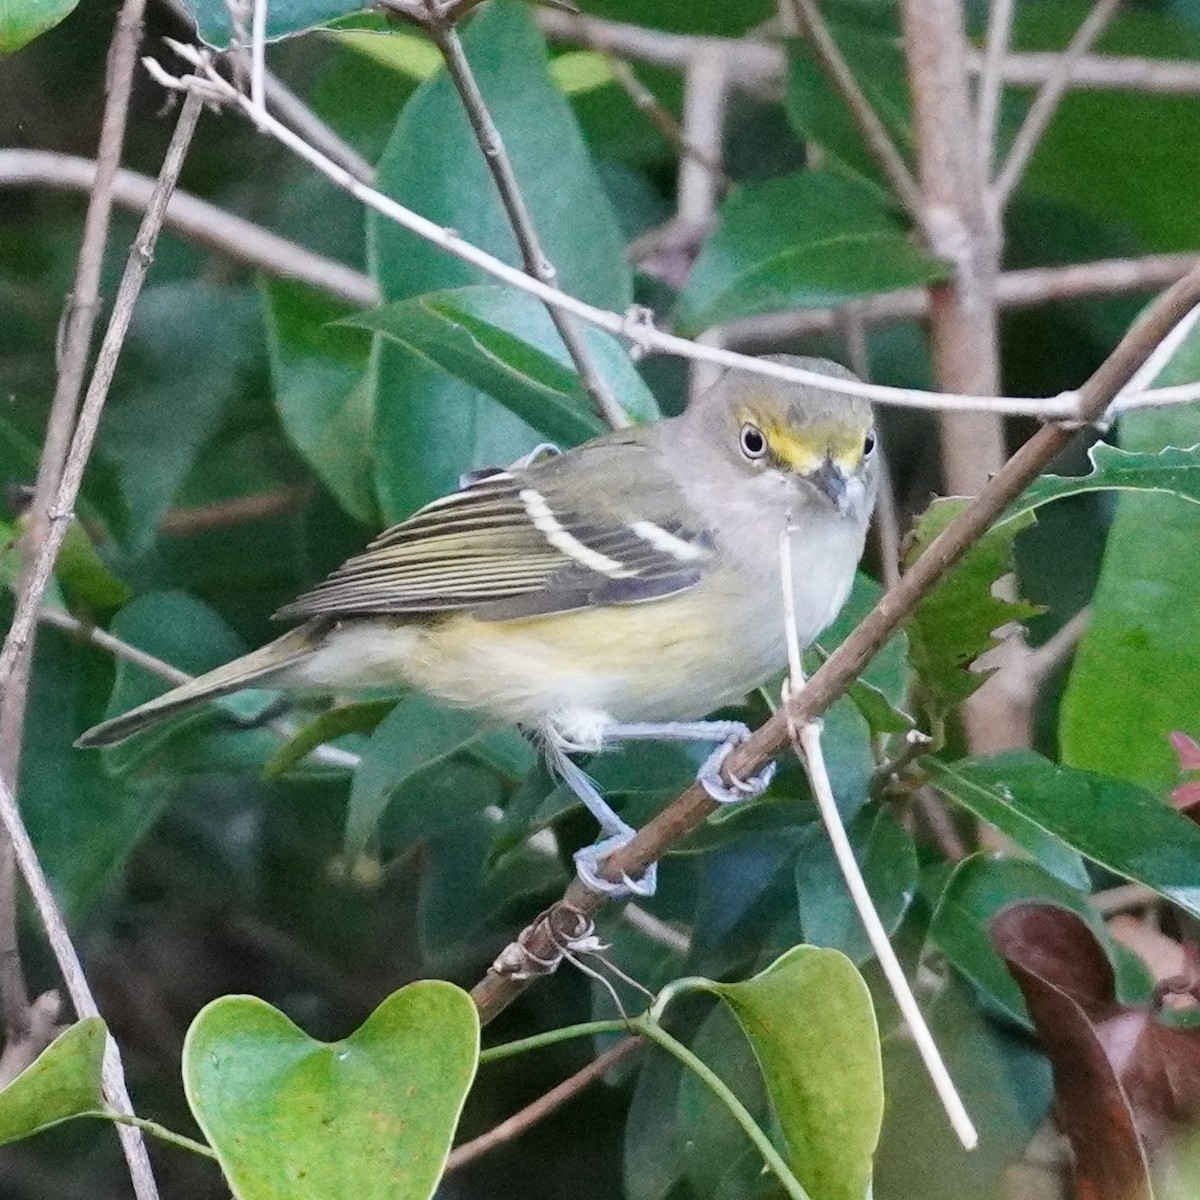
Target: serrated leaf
954,624
61,1083
367,1118
810,1020
805,240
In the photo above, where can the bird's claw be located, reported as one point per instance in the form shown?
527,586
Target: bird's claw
714,784
587,865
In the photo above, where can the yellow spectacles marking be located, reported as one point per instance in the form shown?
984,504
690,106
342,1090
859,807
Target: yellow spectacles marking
804,450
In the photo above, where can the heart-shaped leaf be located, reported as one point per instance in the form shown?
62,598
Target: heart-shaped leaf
367,1118
811,1023
62,1082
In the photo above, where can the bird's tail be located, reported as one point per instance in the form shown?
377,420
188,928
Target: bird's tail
257,667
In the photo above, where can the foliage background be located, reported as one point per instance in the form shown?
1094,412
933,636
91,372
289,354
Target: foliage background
187,873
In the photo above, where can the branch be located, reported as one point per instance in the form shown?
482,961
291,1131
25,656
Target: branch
634,326
1014,289
543,1106
22,1032
197,220
500,165
1046,102
874,133
688,811
990,90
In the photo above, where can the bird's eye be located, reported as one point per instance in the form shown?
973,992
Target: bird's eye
754,445
868,442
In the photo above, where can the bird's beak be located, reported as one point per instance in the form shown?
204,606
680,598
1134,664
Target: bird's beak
830,481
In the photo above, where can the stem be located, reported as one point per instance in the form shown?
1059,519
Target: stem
737,1109
551,1036
161,1132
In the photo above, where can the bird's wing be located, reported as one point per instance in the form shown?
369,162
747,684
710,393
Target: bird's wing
529,542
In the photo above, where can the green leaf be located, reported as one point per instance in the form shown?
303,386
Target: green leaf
953,625
88,584
979,888
431,427
1133,679
1113,822
415,736
61,1083
811,1023
284,17
503,342
334,723
805,240
23,20
323,391
818,113
367,1118
992,802
887,857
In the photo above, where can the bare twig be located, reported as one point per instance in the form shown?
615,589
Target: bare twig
79,322
543,1106
634,326
1104,72
648,103
220,514
990,89
493,993
875,135
199,221
1046,102
657,930
61,511
500,165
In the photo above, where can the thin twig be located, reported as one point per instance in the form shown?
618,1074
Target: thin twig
689,810
658,114
656,929
876,138
199,221
221,514
258,54
543,1106
62,510
634,326
491,144
1046,102
990,90
79,322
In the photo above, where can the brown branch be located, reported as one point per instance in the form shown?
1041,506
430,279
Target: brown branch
1014,289
874,133
60,511
1046,102
78,325
534,258
543,1106
200,222
220,514
688,811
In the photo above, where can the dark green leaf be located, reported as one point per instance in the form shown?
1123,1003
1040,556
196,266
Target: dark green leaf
62,1082
322,391
805,240
888,860
284,17
811,1023
23,20
992,802
1111,821
415,736
1133,679
431,427
367,1118
953,625
332,724
90,588
979,888
503,342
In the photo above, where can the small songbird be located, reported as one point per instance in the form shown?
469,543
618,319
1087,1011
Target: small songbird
622,589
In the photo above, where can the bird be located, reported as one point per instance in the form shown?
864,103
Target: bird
624,588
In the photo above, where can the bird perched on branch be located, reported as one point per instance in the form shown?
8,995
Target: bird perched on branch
622,589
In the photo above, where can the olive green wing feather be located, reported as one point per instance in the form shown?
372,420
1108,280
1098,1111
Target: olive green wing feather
598,525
